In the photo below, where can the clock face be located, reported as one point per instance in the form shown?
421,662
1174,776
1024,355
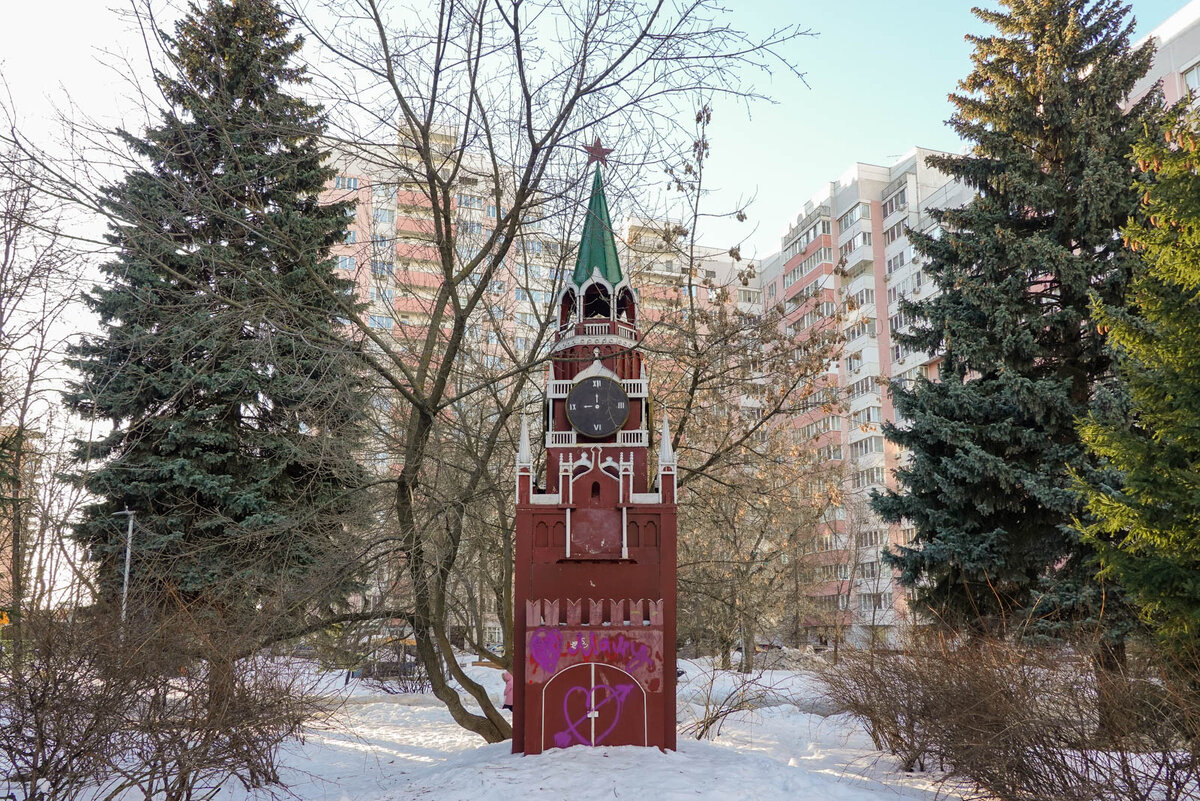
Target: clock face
597,407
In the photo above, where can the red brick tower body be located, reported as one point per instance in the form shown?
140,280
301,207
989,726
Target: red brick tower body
595,598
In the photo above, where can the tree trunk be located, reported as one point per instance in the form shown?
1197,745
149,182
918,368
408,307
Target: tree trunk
1108,665
747,647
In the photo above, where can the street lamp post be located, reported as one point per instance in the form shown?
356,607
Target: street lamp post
128,553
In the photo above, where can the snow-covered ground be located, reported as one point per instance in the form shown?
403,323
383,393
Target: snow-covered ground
393,748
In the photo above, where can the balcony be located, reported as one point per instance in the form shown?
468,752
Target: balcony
598,328
634,439
560,438
634,388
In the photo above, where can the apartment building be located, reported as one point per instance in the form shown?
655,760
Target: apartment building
847,261
666,271
1177,56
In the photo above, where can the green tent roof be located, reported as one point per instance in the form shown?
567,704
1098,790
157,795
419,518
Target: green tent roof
597,248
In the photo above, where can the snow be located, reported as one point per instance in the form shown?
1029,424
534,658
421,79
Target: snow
381,747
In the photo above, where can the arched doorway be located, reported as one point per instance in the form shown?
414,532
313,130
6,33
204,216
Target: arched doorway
593,704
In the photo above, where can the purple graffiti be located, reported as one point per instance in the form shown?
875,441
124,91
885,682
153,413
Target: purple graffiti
571,734
545,646
634,653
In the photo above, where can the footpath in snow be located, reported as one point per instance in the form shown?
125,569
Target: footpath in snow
393,748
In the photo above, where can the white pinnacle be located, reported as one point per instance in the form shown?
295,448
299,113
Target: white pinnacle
666,454
524,455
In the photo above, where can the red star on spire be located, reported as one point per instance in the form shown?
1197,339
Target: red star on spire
597,152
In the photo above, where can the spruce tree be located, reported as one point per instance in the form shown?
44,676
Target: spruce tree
233,391
993,441
1147,529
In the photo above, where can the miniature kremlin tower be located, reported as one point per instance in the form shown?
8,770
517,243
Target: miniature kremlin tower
595,598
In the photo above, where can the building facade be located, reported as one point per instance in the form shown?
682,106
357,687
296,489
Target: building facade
1177,56
847,262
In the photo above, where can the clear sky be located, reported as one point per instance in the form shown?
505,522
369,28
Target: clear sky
878,74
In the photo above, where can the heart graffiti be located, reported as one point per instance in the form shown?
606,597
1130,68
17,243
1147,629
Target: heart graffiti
545,646
594,698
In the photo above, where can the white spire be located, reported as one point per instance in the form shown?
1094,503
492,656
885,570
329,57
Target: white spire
666,454
524,455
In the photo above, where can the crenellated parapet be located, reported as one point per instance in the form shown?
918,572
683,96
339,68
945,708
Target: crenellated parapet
602,612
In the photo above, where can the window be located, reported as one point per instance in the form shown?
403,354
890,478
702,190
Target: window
897,261
819,312
867,478
862,297
895,203
866,446
870,539
351,236
383,194
861,211
869,570
345,263
830,603
491,211
871,414
380,321
383,295
469,201
1191,77
384,216
861,239
893,233
874,601
379,269
898,321
830,453
864,327
345,182
817,257
864,386
854,362
468,227
749,295
822,426
909,286
802,241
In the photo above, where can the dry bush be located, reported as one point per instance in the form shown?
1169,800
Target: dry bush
1023,723
60,707
169,712
880,691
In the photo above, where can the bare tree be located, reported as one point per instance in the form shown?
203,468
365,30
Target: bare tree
496,96
38,269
